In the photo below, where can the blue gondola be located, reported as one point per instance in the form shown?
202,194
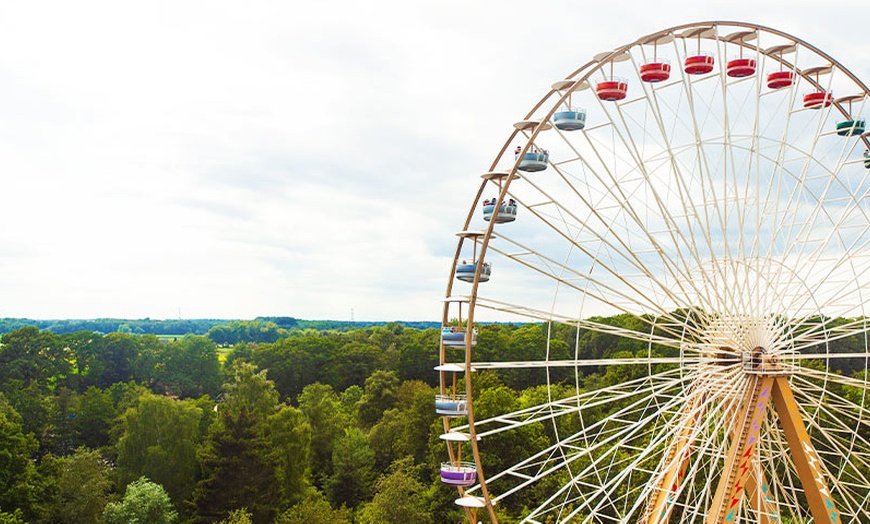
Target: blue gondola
465,272
451,406
570,120
456,338
535,161
506,212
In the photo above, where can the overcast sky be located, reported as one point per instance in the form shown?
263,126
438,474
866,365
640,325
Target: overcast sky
312,159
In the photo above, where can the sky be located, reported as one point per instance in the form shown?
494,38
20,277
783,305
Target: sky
217,159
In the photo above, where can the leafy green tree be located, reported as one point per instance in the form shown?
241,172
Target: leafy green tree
314,509
190,367
404,430
379,396
350,399
16,517
353,469
37,408
399,497
83,350
289,435
418,355
239,516
353,363
257,453
293,362
250,391
31,355
144,502
387,439
415,398
93,417
160,442
324,412
116,361
83,488
17,470
238,472
238,331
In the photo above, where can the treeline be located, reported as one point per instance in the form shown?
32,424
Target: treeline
179,327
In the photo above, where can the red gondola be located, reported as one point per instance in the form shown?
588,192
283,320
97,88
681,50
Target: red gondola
818,100
612,90
698,64
780,79
655,71
740,67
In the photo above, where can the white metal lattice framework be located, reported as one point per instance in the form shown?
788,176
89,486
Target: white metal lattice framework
725,217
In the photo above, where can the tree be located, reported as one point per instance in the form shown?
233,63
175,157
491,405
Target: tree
83,488
419,355
399,497
414,398
16,517
289,435
144,502
353,363
239,516
160,442
31,355
314,509
290,362
116,360
17,472
387,438
255,456
238,472
190,367
380,395
93,417
250,391
237,331
353,469
322,408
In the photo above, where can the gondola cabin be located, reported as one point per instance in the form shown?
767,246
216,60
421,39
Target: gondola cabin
611,90
818,100
451,405
507,212
698,64
455,338
534,161
740,67
656,71
465,272
780,79
851,127
570,120
459,474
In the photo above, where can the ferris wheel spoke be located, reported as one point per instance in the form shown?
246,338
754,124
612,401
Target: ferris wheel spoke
641,387
603,287
672,329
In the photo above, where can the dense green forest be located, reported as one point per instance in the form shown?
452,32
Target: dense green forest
280,325
252,421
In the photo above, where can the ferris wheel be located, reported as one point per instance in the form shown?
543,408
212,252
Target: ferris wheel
685,219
